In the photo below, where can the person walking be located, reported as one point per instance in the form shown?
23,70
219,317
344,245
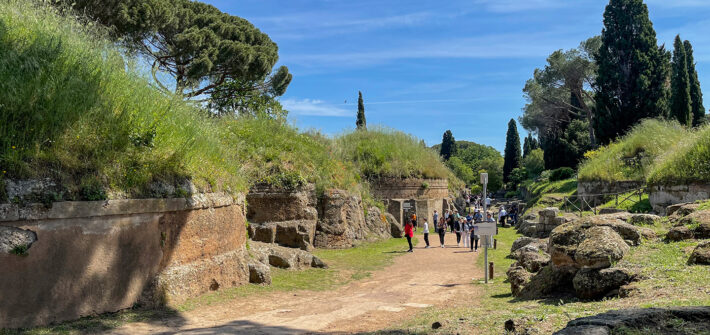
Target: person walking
442,231
474,237
450,222
435,221
426,233
501,215
409,233
457,229
465,231
477,216
414,220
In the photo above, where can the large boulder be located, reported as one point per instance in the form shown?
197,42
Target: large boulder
701,254
679,233
694,320
533,261
550,280
643,219
588,243
518,277
601,247
700,221
594,284
677,212
525,240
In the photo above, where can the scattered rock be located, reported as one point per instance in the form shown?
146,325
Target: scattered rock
679,233
524,241
519,326
701,254
259,273
549,280
639,321
592,283
677,213
648,233
282,257
702,221
292,234
13,239
436,325
628,290
318,263
643,219
610,211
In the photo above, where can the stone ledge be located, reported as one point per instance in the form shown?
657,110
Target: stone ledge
83,209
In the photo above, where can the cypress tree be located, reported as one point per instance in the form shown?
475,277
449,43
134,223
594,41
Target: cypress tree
696,95
512,155
681,108
361,122
448,145
633,71
526,146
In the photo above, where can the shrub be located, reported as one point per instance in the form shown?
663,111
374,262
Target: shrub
561,174
534,162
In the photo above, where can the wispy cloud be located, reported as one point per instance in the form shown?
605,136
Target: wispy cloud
511,6
314,107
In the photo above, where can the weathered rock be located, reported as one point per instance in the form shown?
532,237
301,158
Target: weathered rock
518,278
318,263
679,233
396,229
550,280
563,244
14,239
342,221
701,221
268,204
533,261
643,219
282,257
593,283
601,247
293,234
521,326
628,290
259,273
677,212
377,224
701,254
648,233
549,212
623,216
639,321
523,241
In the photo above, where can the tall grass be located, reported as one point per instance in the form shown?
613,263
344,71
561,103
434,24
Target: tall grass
633,156
687,162
75,109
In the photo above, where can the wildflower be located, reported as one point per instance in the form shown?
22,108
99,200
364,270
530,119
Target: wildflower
13,147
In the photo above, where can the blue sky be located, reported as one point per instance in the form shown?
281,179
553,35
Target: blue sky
428,66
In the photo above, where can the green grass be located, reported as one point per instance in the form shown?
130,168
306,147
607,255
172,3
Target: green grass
687,162
75,109
630,203
344,266
633,156
545,193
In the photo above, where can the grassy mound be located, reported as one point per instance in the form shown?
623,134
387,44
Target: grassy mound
633,156
687,162
76,110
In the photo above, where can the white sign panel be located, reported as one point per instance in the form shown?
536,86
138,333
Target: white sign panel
484,178
485,229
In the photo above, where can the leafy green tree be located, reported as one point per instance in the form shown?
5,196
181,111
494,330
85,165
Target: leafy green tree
529,145
696,95
494,168
448,145
534,163
201,48
360,122
633,70
461,170
567,148
562,91
681,106
517,176
512,154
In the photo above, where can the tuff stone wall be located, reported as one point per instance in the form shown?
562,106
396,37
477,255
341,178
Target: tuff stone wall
104,256
663,196
413,188
590,190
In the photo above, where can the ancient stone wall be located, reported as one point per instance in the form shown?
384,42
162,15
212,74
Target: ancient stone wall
590,190
104,256
663,196
413,188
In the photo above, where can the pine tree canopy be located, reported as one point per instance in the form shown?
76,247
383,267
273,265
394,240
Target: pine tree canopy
361,123
633,70
681,108
696,95
512,153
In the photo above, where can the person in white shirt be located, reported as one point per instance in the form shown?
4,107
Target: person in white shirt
426,233
501,215
465,231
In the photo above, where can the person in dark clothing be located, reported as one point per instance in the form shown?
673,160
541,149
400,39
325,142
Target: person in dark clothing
442,231
457,229
474,239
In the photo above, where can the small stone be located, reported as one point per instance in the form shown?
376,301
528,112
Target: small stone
436,325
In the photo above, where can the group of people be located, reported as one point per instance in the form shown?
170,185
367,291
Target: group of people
465,227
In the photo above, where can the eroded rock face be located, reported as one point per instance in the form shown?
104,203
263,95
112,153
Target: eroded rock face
679,233
534,261
601,247
293,234
701,254
518,278
701,221
549,280
643,219
661,320
282,257
14,239
396,229
259,273
593,284
342,220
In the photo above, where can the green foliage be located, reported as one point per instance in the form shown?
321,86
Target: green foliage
494,168
633,156
382,152
20,250
681,104
534,162
517,176
567,148
511,194
512,153
448,145
630,203
361,122
529,145
696,94
561,174
462,170
196,44
633,70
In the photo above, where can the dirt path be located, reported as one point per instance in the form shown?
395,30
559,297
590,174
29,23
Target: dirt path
424,278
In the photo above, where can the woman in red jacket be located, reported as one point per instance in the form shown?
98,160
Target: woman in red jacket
409,233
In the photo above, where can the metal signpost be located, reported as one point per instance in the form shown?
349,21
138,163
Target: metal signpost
484,233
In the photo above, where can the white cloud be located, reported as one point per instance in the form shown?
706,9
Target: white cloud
510,6
314,107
